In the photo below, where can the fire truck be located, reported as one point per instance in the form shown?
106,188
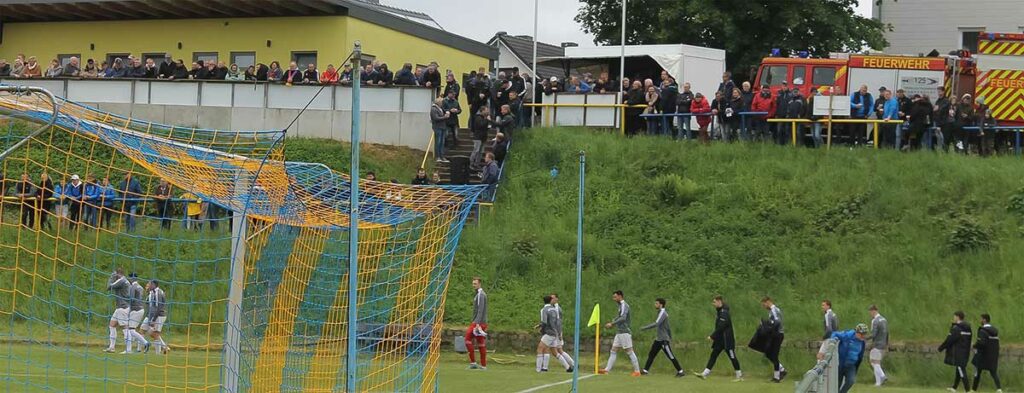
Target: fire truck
1000,76
995,73
847,72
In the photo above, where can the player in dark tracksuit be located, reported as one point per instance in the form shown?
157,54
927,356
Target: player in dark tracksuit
958,349
778,335
663,342
987,355
722,339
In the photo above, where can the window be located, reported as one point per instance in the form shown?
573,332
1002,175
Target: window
157,57
367,59
823,76
799,75
304,58
969,40
112,56
205,57
65,59
773,75
243,59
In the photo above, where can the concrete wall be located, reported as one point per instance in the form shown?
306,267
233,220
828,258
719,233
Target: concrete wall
391,116
922,25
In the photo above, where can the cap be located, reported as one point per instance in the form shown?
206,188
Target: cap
554,79
882,88
75,177
784,83
861,328
132,275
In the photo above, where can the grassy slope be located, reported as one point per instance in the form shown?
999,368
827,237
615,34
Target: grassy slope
857,227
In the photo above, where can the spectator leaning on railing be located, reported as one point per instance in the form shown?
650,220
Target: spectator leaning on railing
233,74
32,69
311,76
55,70
330,76
5,69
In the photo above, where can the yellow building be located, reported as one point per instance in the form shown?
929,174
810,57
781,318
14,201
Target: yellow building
243,32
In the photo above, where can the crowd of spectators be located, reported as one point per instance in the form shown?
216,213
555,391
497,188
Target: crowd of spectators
741,112
95,201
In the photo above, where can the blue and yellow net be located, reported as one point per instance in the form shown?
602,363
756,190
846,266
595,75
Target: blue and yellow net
189,207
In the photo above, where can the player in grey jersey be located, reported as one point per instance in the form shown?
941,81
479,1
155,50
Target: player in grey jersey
663,342
551,340
118,285
879,344
156,316
623,336
135,315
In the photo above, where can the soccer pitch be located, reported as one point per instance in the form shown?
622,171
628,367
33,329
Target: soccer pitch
177,371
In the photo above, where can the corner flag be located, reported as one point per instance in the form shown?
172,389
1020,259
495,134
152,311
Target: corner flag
595,316
595,320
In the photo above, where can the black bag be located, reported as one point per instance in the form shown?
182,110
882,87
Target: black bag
762,339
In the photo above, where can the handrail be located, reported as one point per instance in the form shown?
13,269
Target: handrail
815,376
873,122
21,90
426,152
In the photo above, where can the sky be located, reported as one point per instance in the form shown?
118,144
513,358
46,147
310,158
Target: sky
556,24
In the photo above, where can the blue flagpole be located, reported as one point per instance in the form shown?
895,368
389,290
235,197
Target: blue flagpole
579,274
353,231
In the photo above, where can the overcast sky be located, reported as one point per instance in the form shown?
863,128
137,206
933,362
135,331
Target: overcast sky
516,17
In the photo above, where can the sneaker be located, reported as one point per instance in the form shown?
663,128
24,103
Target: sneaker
740,379
776,380
680,374
483,368
473,366
125,352
109,350
951,390
701,376
602,372
782,374
543,370
438,161
569,370
635,374
167,350
445,160
644,372
999,390
145,347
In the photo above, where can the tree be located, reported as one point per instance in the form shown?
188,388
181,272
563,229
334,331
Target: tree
747,29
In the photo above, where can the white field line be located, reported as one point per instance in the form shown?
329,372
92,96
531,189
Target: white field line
542,387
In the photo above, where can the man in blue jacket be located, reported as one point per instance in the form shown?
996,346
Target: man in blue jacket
891,111
91,199
861,106
851,352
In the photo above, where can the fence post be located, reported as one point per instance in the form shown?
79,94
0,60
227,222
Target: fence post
1017,143
794,132
875,128
828,145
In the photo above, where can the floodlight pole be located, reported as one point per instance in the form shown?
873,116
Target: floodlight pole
622,65
579,273
353,231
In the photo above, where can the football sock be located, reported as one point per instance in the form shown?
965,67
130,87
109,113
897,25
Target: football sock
632,359
611,361
112,337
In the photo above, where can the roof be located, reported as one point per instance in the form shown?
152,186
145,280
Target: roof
409,22
522,47
598,52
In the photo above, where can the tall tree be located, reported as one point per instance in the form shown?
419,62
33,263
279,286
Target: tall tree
746,29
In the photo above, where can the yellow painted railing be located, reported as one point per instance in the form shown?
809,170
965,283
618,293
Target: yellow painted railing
829,122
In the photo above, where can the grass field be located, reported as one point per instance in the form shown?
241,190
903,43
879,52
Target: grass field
179,371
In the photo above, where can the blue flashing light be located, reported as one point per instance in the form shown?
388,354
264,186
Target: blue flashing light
776,52
804,54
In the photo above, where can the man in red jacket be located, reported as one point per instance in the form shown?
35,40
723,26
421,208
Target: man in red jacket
763,102
701,109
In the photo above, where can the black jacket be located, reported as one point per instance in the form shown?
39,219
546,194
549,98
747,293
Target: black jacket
782,104
668,98
958,344
167,69
905,103
433,78
635,97
420,181
737,105
723,336
384,75
684,102
920,112
987,357
795,107
763,337
500,150
879,107
518,84
479,127
748,99
506,123
405,77
220,73
180,73
941,115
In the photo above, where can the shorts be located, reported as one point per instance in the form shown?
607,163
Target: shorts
157,326
623,340
876,355
135,318
551,341
120,316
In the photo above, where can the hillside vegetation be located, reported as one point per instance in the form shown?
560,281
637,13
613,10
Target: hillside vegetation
920,234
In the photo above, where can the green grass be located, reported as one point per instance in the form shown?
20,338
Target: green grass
31,367
920,234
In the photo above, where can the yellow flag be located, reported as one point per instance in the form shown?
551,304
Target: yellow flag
595,316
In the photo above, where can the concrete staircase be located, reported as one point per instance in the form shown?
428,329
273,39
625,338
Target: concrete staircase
463,149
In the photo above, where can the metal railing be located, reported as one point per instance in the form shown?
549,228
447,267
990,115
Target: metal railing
873,122
824,376
547,119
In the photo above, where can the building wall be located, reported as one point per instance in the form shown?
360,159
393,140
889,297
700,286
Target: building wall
47,40
922,25
506,59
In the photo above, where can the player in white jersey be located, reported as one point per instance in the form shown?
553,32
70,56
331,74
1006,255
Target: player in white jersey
551,342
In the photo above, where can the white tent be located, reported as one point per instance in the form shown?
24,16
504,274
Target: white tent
700,66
